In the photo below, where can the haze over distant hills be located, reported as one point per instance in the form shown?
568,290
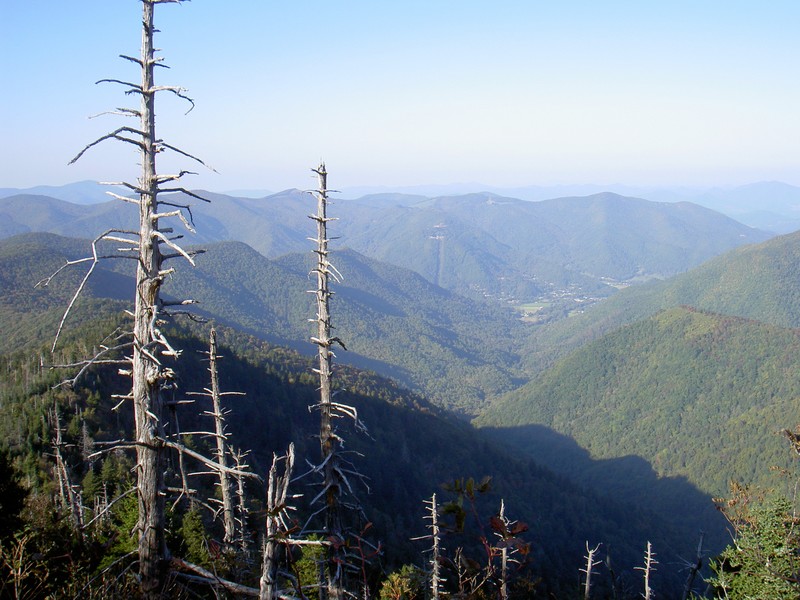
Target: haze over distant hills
769,205
477,245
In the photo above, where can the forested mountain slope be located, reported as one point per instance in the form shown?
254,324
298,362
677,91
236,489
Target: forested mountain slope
411,450
31,312
459,352
695,394
759,281
559,241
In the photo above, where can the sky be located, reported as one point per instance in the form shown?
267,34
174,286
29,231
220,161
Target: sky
506,93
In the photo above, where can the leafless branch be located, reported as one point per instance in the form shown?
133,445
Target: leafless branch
164,178
210,577
120,112
178,249
186,154
182,191
113,135
135,87
178,91
132,59
208,462
95,258
109,505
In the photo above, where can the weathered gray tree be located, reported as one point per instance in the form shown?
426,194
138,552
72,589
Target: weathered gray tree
649,567
151,245
336,471
436,549
69,493
333,479
591,563
222,450
277,528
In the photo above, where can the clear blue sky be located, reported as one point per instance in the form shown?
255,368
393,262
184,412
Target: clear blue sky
506,92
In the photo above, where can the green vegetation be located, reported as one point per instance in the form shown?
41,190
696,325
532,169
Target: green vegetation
685,390
642,418
456,351
423,446
763,562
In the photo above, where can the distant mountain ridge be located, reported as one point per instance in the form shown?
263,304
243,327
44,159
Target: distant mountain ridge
477,245
80,192
768,205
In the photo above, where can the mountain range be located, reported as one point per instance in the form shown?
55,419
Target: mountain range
758,281
768,205
480,245
458,351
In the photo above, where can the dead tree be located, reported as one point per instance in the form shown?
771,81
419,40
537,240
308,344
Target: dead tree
151,245
511,549
650,563
222,447
591,563
222,451
69,494
241,501
503,552
333,467
277,528
436,549
329,442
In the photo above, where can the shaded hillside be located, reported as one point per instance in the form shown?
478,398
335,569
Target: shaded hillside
477,244
459,352
697,395
759,281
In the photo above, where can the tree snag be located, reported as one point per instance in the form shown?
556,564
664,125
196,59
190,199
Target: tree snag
149,345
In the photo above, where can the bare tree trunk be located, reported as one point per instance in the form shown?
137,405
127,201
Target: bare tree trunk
241,503
328,440
650,563
277,492
503,558
148,344
70,500
436,581
222,450
590,564
147,373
